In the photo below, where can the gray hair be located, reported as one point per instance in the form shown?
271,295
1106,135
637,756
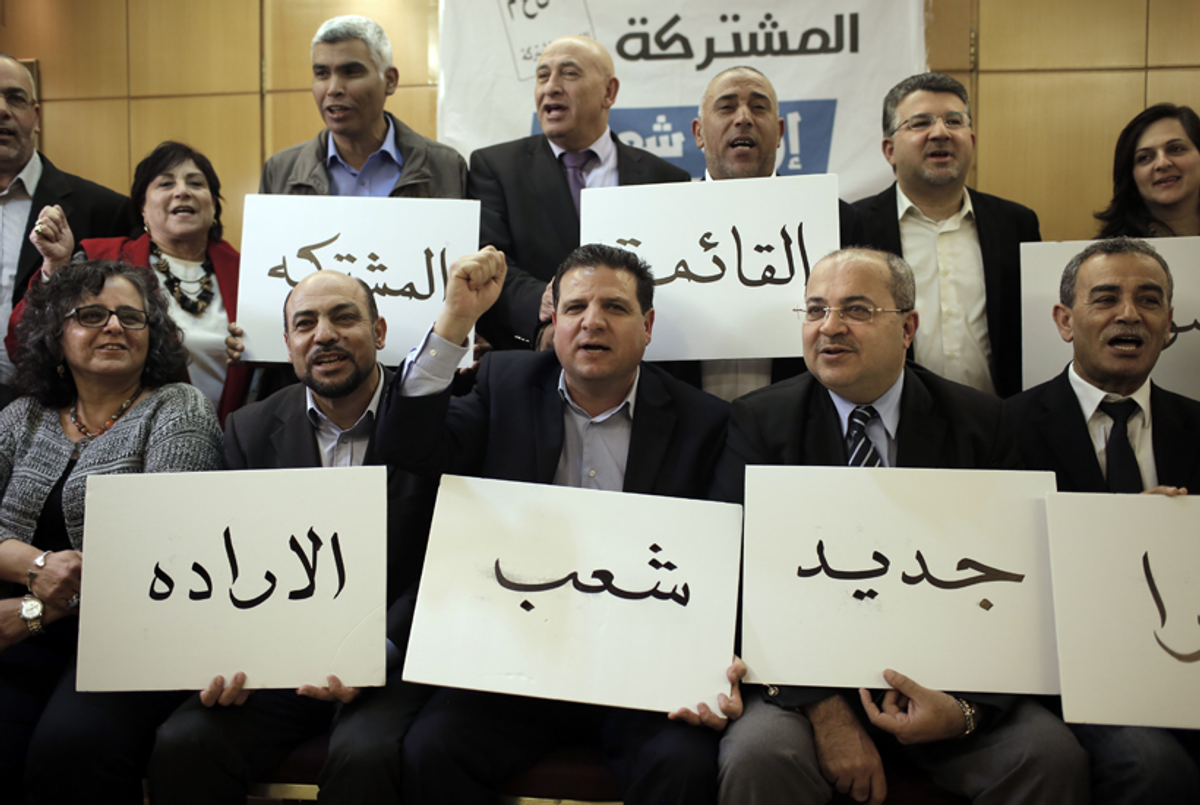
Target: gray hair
901,283
929,82
352,26
1117,245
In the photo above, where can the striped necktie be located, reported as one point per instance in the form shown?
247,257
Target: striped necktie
859,448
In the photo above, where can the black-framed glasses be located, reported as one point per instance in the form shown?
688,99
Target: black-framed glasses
97,316
953,121
862,314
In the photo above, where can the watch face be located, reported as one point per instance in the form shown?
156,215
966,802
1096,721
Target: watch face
31,608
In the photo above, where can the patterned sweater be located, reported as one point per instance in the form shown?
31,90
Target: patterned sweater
173,429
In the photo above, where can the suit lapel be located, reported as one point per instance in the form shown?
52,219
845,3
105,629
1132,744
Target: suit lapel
547,407
1176,446
548,184
921,435
1062,425
653,427
294,440
630,169
881,226
52,189
822,443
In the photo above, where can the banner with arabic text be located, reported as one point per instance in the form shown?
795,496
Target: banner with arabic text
400,247
725,256
1045,353
898,568
1126,600
576,594
831,64
277,573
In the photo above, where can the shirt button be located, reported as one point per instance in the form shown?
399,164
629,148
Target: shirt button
591,473
433,353
772,690
362,183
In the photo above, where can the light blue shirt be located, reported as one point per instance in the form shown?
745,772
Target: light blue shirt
881,430
378,175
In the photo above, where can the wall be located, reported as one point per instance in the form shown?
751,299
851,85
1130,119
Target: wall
1052,84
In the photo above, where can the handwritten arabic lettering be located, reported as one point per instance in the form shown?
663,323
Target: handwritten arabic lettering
1176,330
1162,615
768,40
409,290
539,5
986,573
769,273
604,578
162,585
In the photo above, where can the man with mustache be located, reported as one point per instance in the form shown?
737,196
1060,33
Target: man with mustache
963,245
209,754
586,414
860,404
1102,426
363,151
32,188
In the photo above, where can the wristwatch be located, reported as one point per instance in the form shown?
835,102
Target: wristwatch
31,613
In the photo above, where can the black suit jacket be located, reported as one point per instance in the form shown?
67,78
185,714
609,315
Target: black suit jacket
1002,226
277,434
528,214
510,427
943,425
1052,435
92,211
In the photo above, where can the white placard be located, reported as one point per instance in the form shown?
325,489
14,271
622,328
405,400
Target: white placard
400,247
831,64
165,609
871,604
1126,599
1045,353
637,607
732,258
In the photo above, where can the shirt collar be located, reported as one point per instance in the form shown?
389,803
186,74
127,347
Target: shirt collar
1090,397
887,406
602,147
904,205
316,416
388,147
29,176
630,398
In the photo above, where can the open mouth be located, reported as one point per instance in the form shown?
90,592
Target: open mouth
739,143
183,210
554,110
1126,342
329,358
595,348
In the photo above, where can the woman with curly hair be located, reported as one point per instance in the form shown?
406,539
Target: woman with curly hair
97,359
1156,176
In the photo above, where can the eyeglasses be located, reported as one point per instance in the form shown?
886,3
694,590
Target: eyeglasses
953,121
862,314
97,316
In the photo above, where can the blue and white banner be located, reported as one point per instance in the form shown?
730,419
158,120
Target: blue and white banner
831,64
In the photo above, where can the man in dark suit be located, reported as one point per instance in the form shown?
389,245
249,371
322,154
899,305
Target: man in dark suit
963,245
860,404
207,754
587,414
530,212
1102,426
29,184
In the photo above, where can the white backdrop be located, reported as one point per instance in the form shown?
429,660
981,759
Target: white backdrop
831,64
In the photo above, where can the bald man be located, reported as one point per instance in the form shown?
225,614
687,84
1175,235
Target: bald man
529,210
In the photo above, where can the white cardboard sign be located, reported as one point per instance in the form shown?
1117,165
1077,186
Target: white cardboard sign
730,259
601,597
1126,598
277,573
400,247
1045,353
942,575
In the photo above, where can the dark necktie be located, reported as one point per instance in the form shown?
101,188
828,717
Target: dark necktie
575,162
1124,474
860,449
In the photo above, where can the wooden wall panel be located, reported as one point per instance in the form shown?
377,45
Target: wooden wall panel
90,139
1172,38
193,48
1065,34
948,34
225,128
80,45
289,25
417,107
1174,86
1051,149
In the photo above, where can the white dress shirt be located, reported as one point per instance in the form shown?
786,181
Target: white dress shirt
344,448
881,429
602,173
1099,425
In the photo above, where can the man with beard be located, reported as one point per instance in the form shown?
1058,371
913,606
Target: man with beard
1102,426
207,754
963,245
